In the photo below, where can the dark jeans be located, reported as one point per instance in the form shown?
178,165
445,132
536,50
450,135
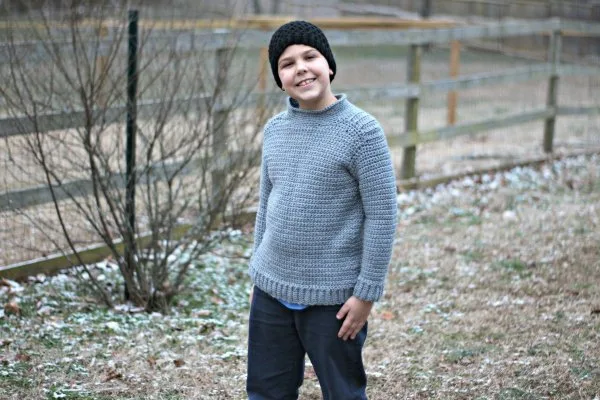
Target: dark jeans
278,340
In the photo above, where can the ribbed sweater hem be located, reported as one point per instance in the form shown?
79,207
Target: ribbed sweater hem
300,295
315,296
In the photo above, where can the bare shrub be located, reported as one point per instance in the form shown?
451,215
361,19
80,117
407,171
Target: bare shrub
195,151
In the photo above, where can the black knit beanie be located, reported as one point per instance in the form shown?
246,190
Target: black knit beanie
298,32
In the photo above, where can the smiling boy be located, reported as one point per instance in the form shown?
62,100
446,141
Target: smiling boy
324,228
309,85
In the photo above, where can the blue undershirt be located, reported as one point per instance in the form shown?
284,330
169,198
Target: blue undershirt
293,306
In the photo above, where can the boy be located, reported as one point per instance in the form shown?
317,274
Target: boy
324,228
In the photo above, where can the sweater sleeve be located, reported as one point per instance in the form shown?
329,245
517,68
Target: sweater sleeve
377,185
261,214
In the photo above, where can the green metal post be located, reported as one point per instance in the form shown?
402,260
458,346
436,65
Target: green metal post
132,76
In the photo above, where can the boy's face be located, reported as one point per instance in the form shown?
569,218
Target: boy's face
304,74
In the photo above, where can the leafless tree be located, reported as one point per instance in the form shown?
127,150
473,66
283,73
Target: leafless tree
197,141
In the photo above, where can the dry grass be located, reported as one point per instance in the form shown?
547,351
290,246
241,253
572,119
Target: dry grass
492,294
504,308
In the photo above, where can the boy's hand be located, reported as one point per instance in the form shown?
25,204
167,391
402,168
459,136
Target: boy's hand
356,312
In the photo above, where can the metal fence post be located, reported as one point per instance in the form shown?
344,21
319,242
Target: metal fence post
412,113
130,176
554,58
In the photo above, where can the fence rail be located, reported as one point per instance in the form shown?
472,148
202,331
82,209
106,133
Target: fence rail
198,40
161,171
75,119
495,8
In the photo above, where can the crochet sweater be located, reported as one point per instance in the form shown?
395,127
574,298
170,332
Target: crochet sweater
327,210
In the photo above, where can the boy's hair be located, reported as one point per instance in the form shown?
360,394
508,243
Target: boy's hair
299,32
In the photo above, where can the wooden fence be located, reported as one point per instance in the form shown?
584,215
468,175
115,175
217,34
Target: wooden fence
534,9
358,32
587,10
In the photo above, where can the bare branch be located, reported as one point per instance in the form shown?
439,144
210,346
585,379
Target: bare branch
177,202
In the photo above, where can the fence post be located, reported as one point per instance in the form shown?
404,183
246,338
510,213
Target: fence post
454,67
425,14
132,76
219,131
262,79
413,75
131,120
101,65
554,58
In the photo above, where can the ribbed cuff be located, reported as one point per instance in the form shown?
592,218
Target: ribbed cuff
368,291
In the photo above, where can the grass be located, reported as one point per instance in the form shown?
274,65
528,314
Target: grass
454,322
513,265
473,255
463,354
516,393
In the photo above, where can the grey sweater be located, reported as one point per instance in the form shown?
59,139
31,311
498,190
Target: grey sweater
327,211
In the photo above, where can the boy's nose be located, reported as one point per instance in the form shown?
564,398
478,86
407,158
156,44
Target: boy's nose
301,68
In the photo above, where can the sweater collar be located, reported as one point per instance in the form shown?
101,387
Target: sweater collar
340,104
